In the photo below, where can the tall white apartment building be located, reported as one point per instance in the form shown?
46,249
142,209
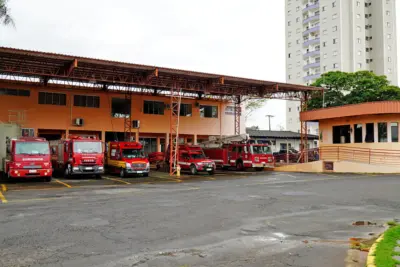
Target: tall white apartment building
342,35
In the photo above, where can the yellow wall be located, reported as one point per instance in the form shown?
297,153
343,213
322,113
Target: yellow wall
34,115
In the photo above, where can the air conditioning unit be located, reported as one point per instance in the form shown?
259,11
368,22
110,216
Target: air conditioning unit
136,124
78,122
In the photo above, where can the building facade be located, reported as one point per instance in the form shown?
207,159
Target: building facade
54,112
338,35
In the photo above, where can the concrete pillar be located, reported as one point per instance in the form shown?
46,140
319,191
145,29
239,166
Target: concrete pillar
137,136
103,139
195,139
352,127
376,132
66,133
166,140
389,132
158,145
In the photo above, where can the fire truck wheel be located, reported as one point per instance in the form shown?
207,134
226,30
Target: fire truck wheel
98,176
193,170
211,172
47,179
122,173
146,175
239,166
259,169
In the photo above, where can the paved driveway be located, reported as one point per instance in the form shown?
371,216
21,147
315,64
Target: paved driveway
272,219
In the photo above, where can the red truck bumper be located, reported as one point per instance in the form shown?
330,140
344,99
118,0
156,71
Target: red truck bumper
24,173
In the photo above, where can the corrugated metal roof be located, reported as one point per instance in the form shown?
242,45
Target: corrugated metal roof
370,108
276,134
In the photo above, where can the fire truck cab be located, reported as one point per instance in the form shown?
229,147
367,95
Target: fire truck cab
78,156
126,158
192,158
27,157
236,151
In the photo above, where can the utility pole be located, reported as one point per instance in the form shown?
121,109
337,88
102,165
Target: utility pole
269,120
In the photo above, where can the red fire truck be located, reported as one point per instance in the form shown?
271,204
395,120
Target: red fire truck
27,157
78,156
192,158
236,151
126,158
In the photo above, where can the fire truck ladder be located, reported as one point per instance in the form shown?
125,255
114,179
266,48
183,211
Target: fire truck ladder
128,116
230,139
175,106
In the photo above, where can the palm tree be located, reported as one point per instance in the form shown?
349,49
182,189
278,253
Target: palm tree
5,17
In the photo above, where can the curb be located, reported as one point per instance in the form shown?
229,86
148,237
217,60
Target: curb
371,253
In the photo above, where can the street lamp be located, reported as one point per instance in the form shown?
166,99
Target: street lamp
269,120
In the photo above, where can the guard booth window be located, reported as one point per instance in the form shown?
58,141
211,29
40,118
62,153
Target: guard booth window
369,136
341,134
394,126
358,138
382,132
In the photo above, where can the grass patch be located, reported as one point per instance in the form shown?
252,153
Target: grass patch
385,250
392,223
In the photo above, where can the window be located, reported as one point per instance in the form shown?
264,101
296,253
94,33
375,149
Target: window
289,23
389,70
324,20
389,59
290,109
86,101
358,16
297,8
359,65
297,19
335,53
324,68
290,66
359,40
186,110
298,52
324,8
289,44
335,40
289,55
289,77
358,3
52,99
388,13
298,74
335,65
358,133
153,107
334,28
389,36
324,44
359,52
334,16
289,34
298,30
369,136
334,4
120,108
358,28
341,134
298,41
325,32
325,55
14,92
382,132
208,111
389,48
388,24
394,128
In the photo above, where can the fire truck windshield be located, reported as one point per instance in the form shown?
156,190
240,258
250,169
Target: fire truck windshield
261,150
132,153
197,156
87,147
32,148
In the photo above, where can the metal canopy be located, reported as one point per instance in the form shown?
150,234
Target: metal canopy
72,71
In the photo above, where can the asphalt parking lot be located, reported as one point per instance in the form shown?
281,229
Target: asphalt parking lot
249,219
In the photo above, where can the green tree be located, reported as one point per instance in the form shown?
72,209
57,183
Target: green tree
252,105
5,17
341,88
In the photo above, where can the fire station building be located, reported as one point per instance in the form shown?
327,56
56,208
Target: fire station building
55,96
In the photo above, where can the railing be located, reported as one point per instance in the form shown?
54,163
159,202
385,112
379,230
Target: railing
311,41
307,20
309,7
314,29
362,155
312,65
312,53
312,77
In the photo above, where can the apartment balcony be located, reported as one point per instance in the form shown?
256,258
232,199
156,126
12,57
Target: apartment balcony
312,65
314,29
311,41
311,7
311,19
312,54
312,77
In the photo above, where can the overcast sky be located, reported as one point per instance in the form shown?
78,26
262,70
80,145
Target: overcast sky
232,37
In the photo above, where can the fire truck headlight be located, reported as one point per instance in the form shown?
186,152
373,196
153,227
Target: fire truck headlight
75,168
101,168
147,165
128,165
